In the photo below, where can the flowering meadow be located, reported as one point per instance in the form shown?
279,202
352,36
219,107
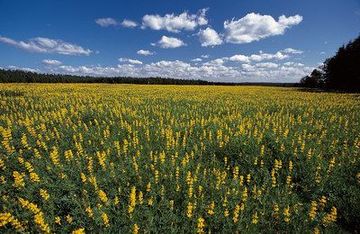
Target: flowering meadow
84,158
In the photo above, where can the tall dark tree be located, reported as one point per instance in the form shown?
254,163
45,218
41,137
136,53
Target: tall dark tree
314,80
342,72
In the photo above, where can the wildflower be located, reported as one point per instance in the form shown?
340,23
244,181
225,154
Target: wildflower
90,212
105,219
102,196
34,177
54,156
132,200
330,217
83,177
189,210
68,155
313,209
286,214
255,218
6,218
276,210
69,219
79,231
135,229
18,179
236,213
200,225
140,197
58,220
211,208
44,194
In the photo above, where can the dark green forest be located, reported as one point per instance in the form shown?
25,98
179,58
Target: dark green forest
19,76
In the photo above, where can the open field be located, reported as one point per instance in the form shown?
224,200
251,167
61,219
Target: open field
80,157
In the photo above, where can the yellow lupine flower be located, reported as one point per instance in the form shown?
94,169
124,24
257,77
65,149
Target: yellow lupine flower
105,219
44,194
200,225
18,179
135,229
79,231
132,200
102,196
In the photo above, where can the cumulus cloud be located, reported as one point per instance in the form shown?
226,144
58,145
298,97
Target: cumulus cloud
145,52
209,37
106,22
47,45
205,56
196,60
261,56
51,62
131,61
175,23
254,27
292,51
212,71
169,42
128,23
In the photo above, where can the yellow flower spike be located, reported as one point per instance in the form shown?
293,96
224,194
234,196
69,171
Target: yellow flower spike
135,229
69,218
44,194
140,197
58,220
132,200
189,209
236,213
200,225
18,179
286,214
79,231
105,219
211,208
313,210
89,212
255,218
102,196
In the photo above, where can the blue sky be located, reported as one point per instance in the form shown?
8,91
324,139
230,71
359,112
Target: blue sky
228,40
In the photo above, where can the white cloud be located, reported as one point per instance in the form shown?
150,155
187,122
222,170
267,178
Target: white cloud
128,23
175,23
218,61
145,52
294,64
261,56
209,37
215,70
196,60
131,61
240,58
254,27
51,62
46,45
205,56
291,51
106,22
259,67
169,42
11,67
267,65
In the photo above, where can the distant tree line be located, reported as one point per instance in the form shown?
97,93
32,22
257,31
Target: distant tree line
20,76
341,72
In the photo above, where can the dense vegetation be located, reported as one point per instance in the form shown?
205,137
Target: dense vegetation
19,76
177,159
341,72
